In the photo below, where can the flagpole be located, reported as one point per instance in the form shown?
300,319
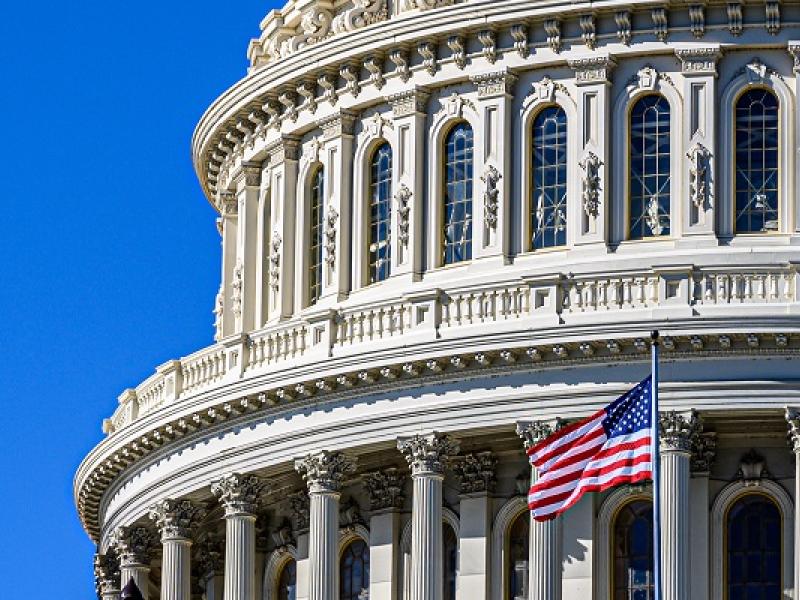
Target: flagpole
654,423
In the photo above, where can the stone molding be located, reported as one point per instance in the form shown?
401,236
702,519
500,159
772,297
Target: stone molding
176,519
428,454
325,472
240,495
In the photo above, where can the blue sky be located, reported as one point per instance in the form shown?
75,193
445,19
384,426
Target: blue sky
110,257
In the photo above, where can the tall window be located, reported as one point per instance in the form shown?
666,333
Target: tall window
316,231
757,162
649,168
633,552
517,567
754,549
450,561
458,195
354,570
287,582
380,214
549,193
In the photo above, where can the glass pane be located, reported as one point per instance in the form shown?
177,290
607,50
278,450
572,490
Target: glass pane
633,551
549,179
753,549
380,214
457,210
316,232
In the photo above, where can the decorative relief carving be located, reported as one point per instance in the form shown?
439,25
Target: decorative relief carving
399,56
327,81
331,217
533,432
453,105
315,26
133,545
350,75
406,5
519,33
588,31
757,72
794,51
645,79
176,518
590,184
698,157
678,430
697,20
428,453
699,61
544,90
403,199
106,574
377,124
476,473
408,103
591,70
494,84
325,471
209,554
219,310
427,50
236,288
793,421
490,178
239,494
772,15
752,469
457,47
704,451
488,40
623,20
385,489
299,506
275,262
374,64
655,221
660,23
734,10
342,123
363,13
552,28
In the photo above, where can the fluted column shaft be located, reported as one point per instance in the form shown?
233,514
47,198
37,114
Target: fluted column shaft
793,419
427,456
140,573
134,546
176,581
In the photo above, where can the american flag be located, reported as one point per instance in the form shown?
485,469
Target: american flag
612,447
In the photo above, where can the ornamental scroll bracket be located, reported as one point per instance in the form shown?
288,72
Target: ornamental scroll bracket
275,262
699,157
590,184
330,236
403,199
490,179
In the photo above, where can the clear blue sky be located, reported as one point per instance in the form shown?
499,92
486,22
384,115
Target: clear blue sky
109,251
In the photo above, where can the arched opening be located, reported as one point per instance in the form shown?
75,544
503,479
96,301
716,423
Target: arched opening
457,213
315,234
286,585
380,213
450,562
632,571
753,549
517,565
354,570
549,179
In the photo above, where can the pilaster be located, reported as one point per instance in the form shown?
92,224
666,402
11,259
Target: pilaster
703,454
385,491
493,144
793,421
240,497
427,456
589,212
228,303
106,576
324,474
408,185
176,520
699,132
134,546
794,51
544,546
248,185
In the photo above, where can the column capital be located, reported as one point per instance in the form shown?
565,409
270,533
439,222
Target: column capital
794,52
210,555
793,421
228,204
239,494
495,83
106,574
592,69
325,471
385,489
134,545
476,472
409,102
249,174
299,505
428,454
337,125
704,451
176,519
533,432
678,431
699,60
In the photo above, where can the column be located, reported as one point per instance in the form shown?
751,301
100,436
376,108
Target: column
240,497
408,174
211,566
176,521
427,455
324,473
134,546
228,228
703,454
248,186
794,52
493,146
793,420
476,482
544,546
106,576
677,433
699,67
283,160
589,212
386,498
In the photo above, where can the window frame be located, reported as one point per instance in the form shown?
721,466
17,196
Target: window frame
314,171
442,197
374,147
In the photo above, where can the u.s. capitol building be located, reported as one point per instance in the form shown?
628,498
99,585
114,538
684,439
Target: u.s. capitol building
446,228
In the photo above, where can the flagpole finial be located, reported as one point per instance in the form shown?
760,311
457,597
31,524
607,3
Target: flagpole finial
655,336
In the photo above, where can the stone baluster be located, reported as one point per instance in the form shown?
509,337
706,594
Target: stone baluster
678,432
793,419
324,474
385,491
106,576
176,520
427,455
134,546
240,496
475,473
544,548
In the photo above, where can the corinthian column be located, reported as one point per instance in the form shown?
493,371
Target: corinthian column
106,576
793,419
239,496
175,520
134,546
324,473
544,546
427,456
677,433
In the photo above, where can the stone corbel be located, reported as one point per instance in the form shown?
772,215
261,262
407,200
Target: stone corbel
519,33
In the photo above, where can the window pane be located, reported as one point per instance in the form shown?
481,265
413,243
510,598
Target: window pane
354,570
633,551
457,226
549,179
316,232
380,214
287,582
757,174
649,181
754,549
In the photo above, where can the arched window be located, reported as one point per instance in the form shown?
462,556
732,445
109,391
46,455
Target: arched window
316,231
649,166
632,575
380,214
354,570
549,179
517,566
450,562
753,551
287,581
457,226
756,185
